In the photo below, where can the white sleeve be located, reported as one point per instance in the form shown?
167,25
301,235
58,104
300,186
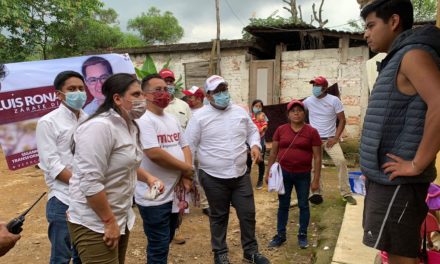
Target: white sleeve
193,134
148,133
306,103
253,138
93,148
337,104
50,161
182,139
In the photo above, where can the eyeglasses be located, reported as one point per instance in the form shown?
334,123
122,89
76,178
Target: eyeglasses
94,80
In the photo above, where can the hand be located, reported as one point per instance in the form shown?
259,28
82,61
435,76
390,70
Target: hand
111,233
314,186
188,172
399,167
266,178
7,239
187,184
255,154
331,142
152,180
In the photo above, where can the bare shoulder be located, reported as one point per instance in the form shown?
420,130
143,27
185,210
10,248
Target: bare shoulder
420,71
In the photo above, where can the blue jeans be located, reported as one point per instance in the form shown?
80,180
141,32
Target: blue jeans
159,229
62,250
301,181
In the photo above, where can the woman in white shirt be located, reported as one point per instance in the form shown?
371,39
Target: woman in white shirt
107,155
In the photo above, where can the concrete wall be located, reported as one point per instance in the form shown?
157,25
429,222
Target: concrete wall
299,67
234,68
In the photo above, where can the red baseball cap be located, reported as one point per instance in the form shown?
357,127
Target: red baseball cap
166,73
194,91
320,80
294,102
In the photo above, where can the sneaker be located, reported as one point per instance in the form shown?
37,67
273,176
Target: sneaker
256,258
349,199
276,241
178,237
221,259
206,211
302,241
259,185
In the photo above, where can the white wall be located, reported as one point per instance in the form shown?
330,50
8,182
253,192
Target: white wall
299,67
234,68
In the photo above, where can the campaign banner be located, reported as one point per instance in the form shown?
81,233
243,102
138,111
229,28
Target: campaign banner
27,93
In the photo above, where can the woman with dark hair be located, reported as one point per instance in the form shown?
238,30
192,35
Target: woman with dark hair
107,155
257,110
294,145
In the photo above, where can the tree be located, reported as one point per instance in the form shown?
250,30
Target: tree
155,27
424,10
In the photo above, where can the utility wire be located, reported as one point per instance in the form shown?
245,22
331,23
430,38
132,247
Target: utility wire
233,12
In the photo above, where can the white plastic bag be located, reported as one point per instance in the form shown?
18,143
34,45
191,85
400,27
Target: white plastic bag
275,183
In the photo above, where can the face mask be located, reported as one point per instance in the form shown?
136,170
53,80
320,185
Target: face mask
222,99
171,89
256,110
191,103
161,99
317,91
75,100
139,106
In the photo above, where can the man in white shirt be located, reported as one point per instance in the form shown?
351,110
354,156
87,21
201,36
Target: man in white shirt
167,156
219,132
195,97
54,138
324,109
178,108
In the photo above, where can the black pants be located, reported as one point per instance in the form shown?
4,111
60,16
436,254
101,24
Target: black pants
221,193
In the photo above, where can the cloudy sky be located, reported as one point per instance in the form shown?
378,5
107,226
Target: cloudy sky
197,17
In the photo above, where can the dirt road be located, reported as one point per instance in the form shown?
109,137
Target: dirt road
18,190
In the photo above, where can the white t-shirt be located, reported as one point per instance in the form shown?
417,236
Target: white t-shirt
180,110
166,133
322,114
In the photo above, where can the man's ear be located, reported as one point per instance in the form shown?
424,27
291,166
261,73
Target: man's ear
394,22
60,95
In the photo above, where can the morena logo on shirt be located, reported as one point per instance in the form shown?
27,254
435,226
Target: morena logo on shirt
168,138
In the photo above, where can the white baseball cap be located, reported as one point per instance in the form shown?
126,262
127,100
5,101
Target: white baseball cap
213,82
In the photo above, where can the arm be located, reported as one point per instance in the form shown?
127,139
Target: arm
317,159
272,158
99,203
192,135
341,118
166,160
253,139
94,145
50,161
420,74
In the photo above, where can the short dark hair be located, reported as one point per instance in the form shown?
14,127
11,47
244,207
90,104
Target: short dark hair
96,60
386,8
256,101
63,76
147,78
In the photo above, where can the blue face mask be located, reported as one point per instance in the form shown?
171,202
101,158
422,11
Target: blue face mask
75,100
256,110
222,99
171,89
317,90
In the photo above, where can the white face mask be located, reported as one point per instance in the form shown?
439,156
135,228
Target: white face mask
139,106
